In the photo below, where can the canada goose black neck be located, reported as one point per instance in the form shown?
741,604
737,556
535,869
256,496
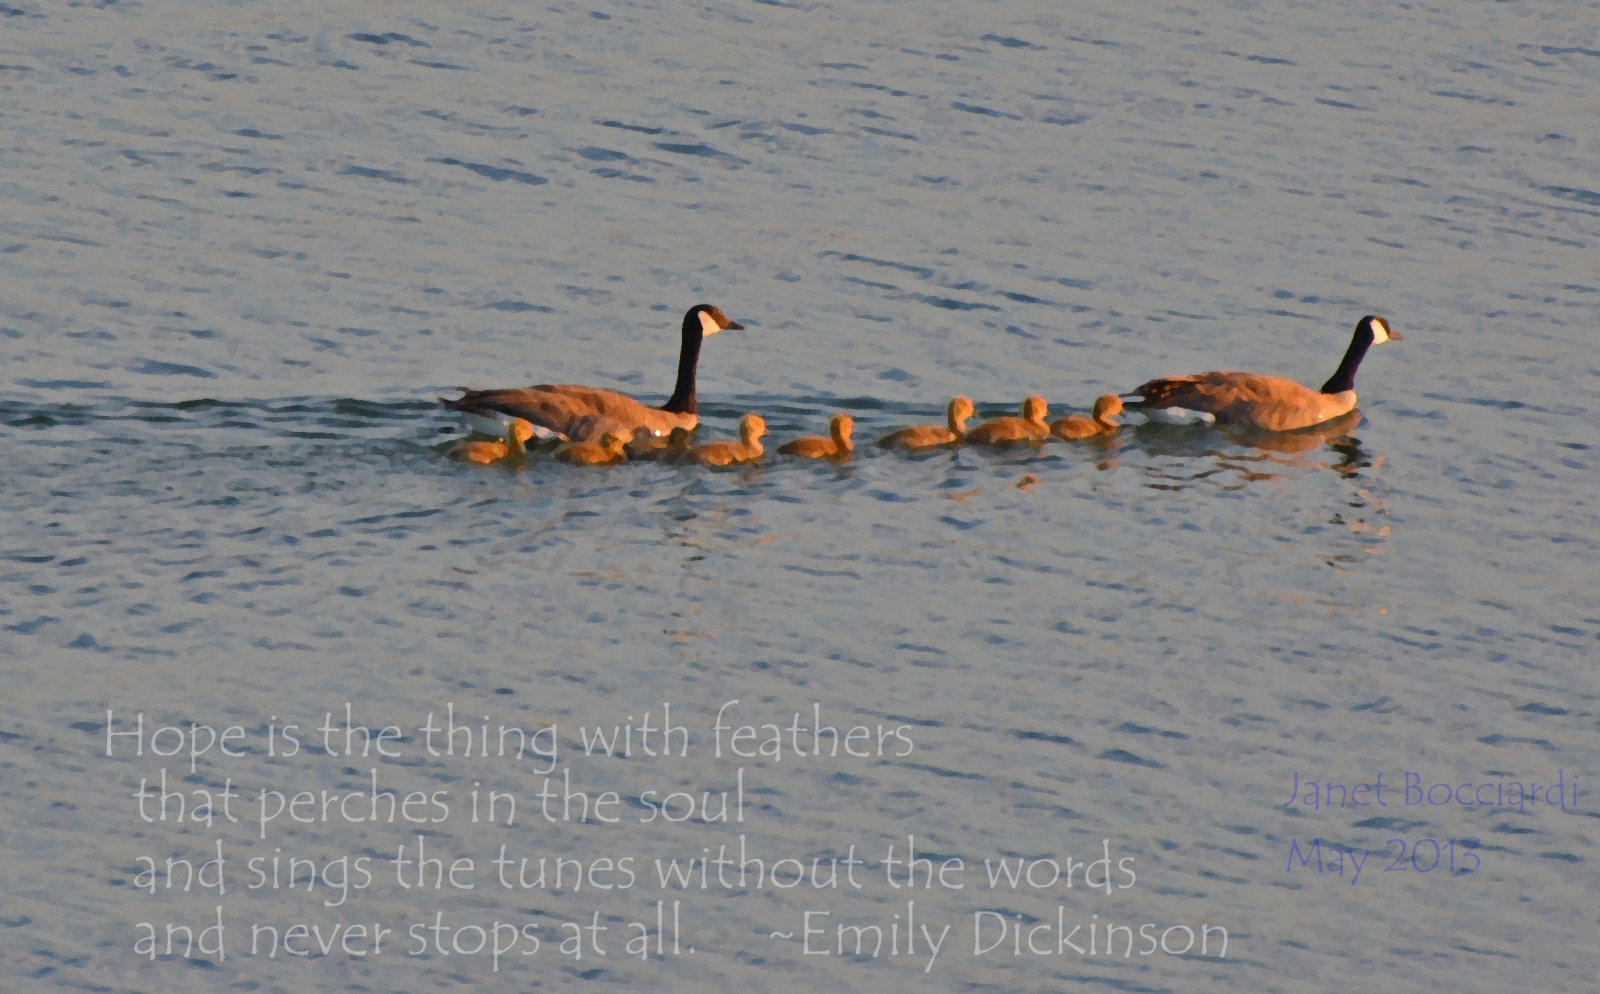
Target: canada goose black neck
683,399
1344,378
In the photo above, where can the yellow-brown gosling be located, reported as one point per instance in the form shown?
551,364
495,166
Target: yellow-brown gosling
660,447
838,446
1028,428
933,436
580,413
746,449
1251,400
604,452
1076,426
513,446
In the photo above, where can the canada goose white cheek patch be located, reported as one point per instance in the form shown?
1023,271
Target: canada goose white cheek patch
708,324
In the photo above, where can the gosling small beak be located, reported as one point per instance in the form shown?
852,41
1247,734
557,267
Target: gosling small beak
733,326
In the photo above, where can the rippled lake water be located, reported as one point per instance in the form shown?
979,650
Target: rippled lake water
246,246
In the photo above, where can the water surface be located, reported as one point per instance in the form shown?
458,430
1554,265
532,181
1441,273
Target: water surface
245,248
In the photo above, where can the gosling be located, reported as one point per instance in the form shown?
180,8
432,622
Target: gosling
838,446
746,449
513,446
606,451
660,447
933,436
1076,426
1003,431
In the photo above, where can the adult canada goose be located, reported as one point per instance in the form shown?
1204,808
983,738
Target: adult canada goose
660,447
1028,428
517,432
1076,426
602,452
815,447
746,449
932,436
1251,400
578,413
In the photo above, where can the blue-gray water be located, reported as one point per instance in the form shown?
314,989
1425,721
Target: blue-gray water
245,247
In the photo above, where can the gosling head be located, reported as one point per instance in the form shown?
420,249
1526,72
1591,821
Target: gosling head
520,429
612,444
960,410
751,427
1106,406
840,428
678,440
1034,409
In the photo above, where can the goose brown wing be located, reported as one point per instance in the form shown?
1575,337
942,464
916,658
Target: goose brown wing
1273,403
578,412
1165,391
1246,399
1230,389
1219,391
